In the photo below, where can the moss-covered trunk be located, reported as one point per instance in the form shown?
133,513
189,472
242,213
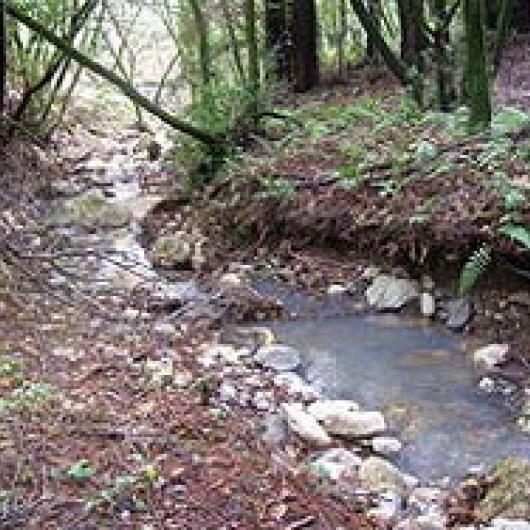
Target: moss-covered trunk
476,78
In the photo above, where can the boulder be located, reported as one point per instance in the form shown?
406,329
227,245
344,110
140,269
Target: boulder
324,409
336,464
427,305
376,473
490,356
386,445
278,357
172,251
294,384
509,524
390,294
458,313
354,424
305,425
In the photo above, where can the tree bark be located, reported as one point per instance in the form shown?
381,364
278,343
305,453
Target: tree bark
3,57
476,79
276,34
253,61
304,38
129,91
204,43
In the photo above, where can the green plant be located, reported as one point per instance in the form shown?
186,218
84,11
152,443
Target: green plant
518,233
475,266
80,470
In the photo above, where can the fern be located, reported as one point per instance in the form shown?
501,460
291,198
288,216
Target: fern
474,268
518,233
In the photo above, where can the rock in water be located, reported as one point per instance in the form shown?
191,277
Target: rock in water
458,313
390,294
427,305
490,356
294,384
354,424
324,409
376,473
172,251
304,425
386,446
279,357
337,463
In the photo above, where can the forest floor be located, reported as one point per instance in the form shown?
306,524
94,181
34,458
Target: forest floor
357,178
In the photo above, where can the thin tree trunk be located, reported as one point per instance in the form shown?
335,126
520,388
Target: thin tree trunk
129,91
233,39
343,30
396,66
253,63
477,80
503,30
3,57
204,44
276,38
374,8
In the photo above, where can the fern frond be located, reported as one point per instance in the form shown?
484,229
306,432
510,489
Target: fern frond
474,268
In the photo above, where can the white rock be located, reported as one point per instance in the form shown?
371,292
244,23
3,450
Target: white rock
376,473
427,305
389,293
262,400
388,506
227,392
486,384
279,357
305,425
325,408
230,280
509,524
337,289
294,384
337,463
355,424
490,356
386,445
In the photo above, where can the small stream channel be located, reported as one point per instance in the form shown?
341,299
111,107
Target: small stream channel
422,381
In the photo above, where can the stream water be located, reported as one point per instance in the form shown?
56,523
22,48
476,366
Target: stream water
420,378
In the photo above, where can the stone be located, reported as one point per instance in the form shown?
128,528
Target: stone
230,280
459,313
323,409
386,445
305,425
278,357
336,464
161,370
355,424
388,293
273,429
262,400
172,251
388,506
509,524
377,473
490,356
487,384
294,384
337,289
227,392
427,305
509,495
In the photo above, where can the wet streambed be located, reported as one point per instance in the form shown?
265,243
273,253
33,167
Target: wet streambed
420,378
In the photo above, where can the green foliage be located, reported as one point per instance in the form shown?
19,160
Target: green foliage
509,120
80,470
518,233
28,394
474,268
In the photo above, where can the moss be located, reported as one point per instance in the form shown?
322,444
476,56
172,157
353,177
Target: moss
509,495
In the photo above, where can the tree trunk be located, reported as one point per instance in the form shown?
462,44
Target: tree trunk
129,91
276,38
343,31
3,57
233,39
476,79
204,43
396,66
304,40
253,61
445,90
374,8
